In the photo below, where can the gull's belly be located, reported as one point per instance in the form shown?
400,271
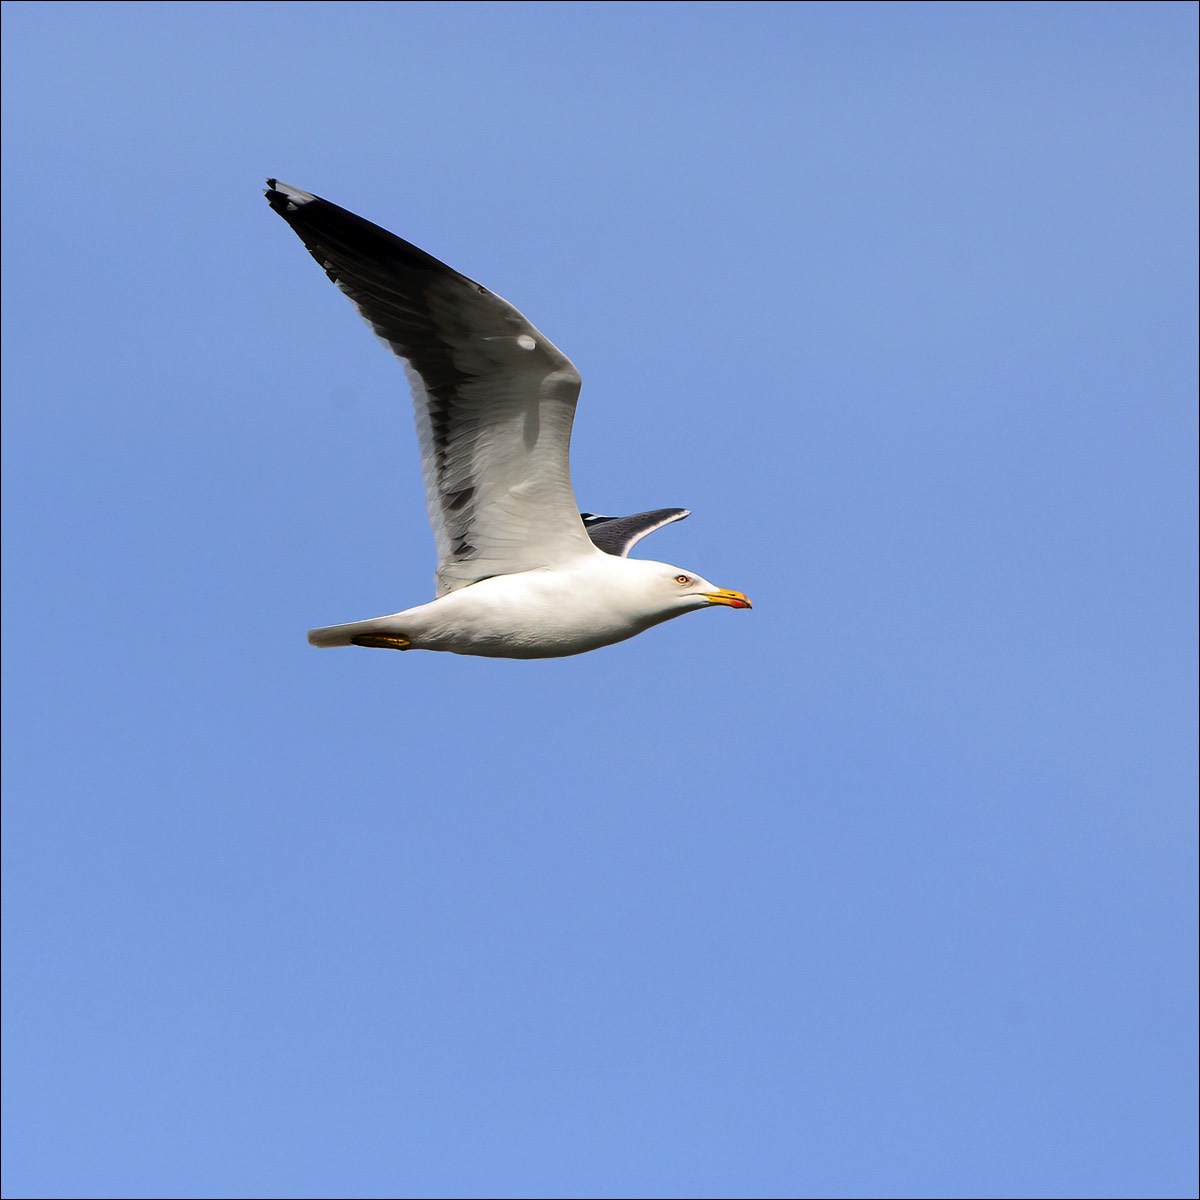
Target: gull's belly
531,615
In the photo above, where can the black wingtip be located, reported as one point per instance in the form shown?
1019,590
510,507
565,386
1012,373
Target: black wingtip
286,199
275,198
332,234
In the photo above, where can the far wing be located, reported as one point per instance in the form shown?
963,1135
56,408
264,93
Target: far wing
619,535
494,398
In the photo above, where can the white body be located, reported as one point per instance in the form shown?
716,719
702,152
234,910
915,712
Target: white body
596,600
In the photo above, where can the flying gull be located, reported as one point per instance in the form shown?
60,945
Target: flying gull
521,572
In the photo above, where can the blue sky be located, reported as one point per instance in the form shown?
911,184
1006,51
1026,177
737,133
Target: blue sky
885,888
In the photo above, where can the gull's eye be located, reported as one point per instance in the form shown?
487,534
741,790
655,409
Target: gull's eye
683,579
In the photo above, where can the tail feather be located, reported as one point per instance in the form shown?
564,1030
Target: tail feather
379,631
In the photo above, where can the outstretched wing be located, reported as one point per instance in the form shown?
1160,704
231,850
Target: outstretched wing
494,398
619,535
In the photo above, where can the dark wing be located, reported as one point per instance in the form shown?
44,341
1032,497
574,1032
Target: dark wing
619,535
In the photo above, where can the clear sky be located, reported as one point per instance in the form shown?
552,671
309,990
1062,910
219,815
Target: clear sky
885,888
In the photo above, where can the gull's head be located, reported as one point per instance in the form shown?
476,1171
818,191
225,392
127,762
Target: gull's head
676,590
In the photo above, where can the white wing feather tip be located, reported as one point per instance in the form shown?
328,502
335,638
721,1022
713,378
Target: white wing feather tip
295,197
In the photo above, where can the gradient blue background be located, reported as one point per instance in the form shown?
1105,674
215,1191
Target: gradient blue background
883,889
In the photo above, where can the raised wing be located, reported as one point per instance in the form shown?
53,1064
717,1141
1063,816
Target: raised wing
619,535
494,398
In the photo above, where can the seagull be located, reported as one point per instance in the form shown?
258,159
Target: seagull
521,572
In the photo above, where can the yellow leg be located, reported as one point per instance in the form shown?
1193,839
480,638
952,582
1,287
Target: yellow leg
382,641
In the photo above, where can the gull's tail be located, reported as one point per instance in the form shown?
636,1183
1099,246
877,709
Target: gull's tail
378,632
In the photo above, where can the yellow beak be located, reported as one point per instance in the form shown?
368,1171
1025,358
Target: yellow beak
724,596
